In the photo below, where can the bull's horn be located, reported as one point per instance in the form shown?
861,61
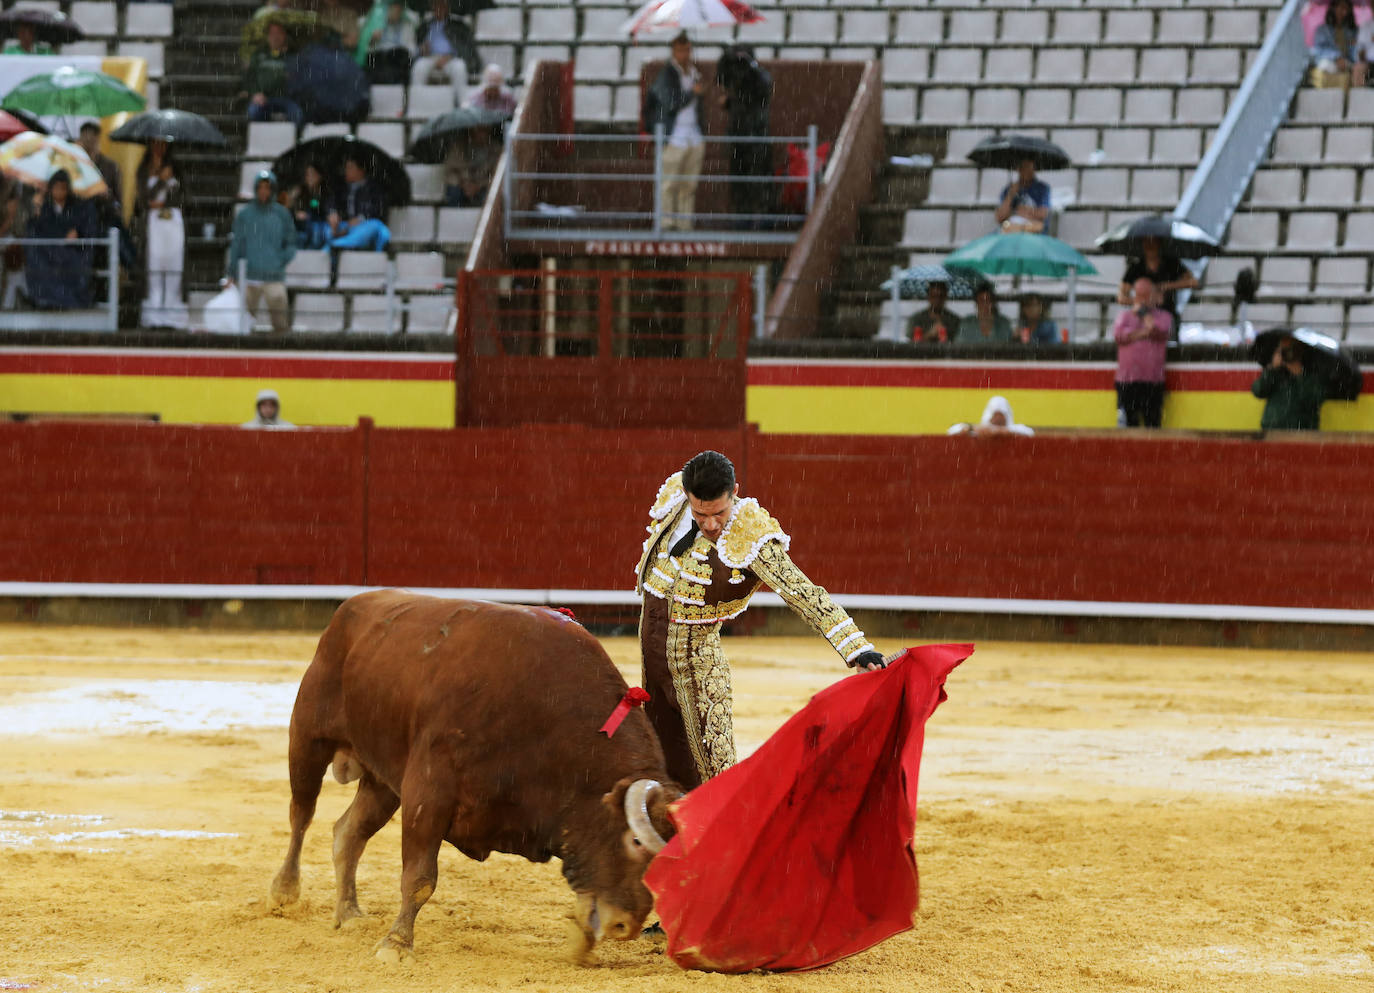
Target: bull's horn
637,814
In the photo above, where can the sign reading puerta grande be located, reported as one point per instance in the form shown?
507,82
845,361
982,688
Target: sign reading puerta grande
679,249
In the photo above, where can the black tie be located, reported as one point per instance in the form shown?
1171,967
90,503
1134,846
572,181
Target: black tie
685,542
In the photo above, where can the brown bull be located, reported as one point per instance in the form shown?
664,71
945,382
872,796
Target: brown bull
480,722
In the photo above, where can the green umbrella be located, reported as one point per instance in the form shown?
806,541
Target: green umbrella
71,92
1022,254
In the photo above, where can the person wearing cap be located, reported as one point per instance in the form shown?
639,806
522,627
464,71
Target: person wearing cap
673,102
264,238
268,417
494,95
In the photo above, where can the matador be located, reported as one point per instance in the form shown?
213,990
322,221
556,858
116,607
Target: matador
707,552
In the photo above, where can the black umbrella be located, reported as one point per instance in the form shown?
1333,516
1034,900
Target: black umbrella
328,84
431,143
1177,238
179,127
1320,353
55,29
1008,151
328,154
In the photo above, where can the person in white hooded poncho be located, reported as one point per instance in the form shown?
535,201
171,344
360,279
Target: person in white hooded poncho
997,419
268,409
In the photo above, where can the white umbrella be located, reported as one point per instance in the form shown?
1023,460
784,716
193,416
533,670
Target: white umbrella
662,15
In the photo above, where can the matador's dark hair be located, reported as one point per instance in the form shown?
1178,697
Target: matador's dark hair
708,476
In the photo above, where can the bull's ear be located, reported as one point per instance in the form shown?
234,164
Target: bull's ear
615,799
659,801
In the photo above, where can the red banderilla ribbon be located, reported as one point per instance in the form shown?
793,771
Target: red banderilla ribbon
632,698
566,612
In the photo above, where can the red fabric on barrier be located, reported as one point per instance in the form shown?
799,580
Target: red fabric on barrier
802,854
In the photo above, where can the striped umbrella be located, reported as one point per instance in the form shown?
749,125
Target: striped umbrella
666,15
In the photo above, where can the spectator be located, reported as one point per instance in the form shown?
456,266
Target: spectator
447,46
1292,395
89,139
15,204
358,217
674,103
267,413
1033,324
25,42
160,202
494,95
59,276
310,202
265,80
265,238
109,213
1142,338
936,323
1166,271
271,7
391,48
1364,54
469,167
338,25
997,420
1025,203
986,325
1333,46
746,93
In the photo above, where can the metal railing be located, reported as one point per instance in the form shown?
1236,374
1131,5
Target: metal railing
1242,141
528,216
102,315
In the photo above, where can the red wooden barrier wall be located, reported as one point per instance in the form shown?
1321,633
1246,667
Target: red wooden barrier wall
1090,518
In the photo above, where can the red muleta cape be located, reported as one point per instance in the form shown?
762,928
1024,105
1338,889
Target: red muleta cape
802,854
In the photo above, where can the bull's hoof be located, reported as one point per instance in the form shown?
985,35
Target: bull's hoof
345,913
391,952
579,944
285,892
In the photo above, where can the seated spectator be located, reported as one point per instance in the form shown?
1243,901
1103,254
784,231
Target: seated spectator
15,205
936,323
161,198
446,46
494,95
1333,46
997,420
1033,324
338,25
267,413
1025,203
358,220
469,167
986,325
265,80
265,239
25,42
1167,272
59,276
1364,55
391,47
311,203
1142,340
1292,394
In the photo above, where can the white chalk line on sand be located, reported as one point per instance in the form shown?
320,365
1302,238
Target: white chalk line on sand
113,707
25,828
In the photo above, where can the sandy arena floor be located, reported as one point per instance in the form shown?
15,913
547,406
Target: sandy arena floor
1092,818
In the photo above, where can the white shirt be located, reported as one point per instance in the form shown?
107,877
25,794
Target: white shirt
681,530
686,128
1364,42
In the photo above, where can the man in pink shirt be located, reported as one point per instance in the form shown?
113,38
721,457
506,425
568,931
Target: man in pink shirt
1142,336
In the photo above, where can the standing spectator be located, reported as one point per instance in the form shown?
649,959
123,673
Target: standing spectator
1166,271
15,206
674,103
338,25
358,217
267,413
494,95
89,139
391,48
311,202
1142,338
1364,55
469,167
25,42
265,237
1292,395
1334,46
59,276
160,202
936,323
1025,203
997,420
446,46
1033,324
107,206
265,80
986,325
747,93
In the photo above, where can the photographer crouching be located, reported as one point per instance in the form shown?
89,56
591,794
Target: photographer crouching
1292,394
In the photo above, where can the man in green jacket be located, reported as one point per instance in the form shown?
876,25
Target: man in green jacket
1292,395
265,237
265,80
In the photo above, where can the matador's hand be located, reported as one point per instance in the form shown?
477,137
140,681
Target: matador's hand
869,660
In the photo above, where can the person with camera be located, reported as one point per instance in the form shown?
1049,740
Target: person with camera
1142,338
1292,394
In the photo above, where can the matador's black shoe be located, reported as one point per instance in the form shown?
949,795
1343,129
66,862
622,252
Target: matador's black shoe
654,932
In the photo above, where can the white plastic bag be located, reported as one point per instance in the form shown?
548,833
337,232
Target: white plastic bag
222,311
